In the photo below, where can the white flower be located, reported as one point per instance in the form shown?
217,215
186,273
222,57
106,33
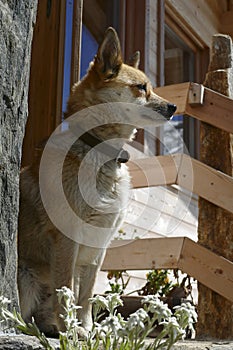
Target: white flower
137,320
111,324
173,329
100,301
186,315
154,305
66,294
109,303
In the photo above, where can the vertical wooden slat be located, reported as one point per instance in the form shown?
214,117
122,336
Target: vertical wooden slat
46,77
76,41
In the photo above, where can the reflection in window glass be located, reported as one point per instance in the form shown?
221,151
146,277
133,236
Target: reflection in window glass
88,50
178,68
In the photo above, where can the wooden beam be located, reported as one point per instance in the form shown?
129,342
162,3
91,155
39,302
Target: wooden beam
177,94
201,24
186,172
216,109
169,253
207,267
76,42
226,23
206,182
153,171
143,254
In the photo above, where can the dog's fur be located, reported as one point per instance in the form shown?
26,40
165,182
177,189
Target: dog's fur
48,259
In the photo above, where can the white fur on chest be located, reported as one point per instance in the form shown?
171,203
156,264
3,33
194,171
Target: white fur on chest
100,200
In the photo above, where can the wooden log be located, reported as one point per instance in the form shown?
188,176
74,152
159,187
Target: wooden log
215,224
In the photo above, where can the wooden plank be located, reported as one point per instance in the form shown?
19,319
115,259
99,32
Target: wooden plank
177,94
218,7
208,268
76,42
195,16
46,76
186,172
217,110
143,254
226,23
153,171
94,18
205,181
151,44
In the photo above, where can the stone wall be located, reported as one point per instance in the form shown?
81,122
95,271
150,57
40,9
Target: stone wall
17,18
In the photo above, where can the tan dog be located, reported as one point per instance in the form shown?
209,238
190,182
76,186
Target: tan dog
49,257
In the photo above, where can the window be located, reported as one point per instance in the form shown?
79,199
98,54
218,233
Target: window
59,58
179,134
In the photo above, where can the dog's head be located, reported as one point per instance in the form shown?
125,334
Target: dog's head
109,80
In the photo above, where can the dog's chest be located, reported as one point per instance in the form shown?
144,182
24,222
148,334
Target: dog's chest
99,192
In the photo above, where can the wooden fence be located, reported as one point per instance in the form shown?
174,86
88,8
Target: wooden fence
207,267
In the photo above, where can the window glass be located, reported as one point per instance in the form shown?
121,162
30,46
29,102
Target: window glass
67,53
88,49
178,68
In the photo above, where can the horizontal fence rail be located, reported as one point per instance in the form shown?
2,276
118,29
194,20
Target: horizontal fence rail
186,172
199,102
212,270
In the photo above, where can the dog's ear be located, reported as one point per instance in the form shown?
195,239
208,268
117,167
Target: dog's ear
134,60
108,59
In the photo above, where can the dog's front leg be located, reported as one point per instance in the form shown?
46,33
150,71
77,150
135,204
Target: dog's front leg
62,271
88,263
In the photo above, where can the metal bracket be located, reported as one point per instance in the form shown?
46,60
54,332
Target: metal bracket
196,95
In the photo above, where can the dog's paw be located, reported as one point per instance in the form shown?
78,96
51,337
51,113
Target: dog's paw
50,331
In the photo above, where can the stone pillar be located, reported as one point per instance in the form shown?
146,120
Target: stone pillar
215,225
16,29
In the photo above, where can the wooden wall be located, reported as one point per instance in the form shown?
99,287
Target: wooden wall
200,19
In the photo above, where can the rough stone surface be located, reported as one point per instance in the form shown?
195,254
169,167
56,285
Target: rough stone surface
215,226
24,342
16,28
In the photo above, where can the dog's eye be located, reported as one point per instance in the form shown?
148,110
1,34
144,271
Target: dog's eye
142,87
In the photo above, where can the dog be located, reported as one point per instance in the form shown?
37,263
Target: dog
49,258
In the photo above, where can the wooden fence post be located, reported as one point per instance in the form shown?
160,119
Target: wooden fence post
215,227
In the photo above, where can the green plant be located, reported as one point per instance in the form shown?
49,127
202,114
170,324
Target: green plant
118,281
112,332
157,283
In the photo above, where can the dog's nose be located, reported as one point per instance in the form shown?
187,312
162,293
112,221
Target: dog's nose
171,108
